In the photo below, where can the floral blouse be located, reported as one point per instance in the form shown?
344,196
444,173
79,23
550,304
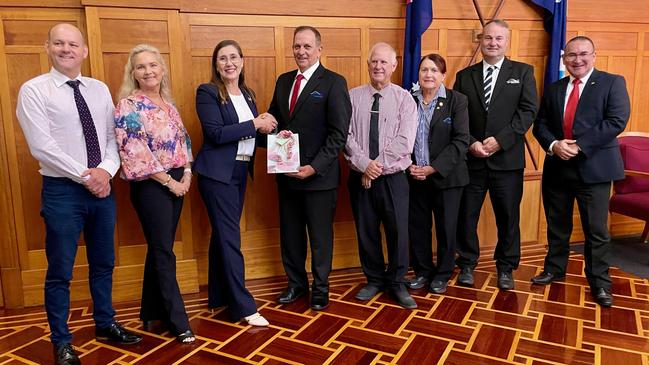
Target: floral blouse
149,140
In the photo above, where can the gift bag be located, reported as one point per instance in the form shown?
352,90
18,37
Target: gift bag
283,152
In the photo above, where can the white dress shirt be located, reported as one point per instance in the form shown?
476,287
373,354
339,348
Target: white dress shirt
307,76
50,122
247,146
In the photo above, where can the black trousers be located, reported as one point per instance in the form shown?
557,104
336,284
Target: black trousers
302,211
505,191
226,283
386,201
427,200
559,194
159,211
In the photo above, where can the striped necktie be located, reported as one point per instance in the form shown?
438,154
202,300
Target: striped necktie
488,82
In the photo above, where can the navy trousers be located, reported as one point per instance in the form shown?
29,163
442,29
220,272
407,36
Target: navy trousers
68,208
226,276
159,211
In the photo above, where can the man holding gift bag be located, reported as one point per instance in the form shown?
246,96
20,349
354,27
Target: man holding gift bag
313,103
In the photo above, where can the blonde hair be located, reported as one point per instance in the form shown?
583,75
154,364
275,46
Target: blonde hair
130,84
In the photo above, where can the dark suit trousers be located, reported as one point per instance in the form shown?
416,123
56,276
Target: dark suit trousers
505,191
385,201
559,193
159,211
426,199
301,211
226,276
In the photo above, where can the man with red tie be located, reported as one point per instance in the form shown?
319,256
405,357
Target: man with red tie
314,103
579,120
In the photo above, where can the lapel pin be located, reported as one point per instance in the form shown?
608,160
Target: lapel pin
441,103
592,82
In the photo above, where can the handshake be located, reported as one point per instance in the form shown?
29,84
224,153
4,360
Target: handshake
265,123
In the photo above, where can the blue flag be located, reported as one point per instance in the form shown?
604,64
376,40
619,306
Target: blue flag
554,23
419,15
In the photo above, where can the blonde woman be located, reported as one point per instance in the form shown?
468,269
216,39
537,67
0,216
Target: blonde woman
155,150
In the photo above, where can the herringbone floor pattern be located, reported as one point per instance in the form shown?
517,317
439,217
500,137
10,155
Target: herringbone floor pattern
536,325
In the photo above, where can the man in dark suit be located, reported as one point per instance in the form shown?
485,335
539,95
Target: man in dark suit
314,103
502,105
580,118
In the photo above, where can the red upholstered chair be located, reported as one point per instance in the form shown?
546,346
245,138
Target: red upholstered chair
631,195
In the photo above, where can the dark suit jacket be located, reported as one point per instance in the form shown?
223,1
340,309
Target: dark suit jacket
321,119
511,112
221,134
448,140
602,114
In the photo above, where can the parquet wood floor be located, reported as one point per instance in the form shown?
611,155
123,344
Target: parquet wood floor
533,325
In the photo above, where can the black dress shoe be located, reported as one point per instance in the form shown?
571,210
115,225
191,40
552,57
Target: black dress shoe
319,301
403,298
603,297
367,292
289,295
438,286
505,280
465,278
118,334
65,355
546,278
417,282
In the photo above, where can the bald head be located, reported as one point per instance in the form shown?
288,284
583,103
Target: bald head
66,27
66,48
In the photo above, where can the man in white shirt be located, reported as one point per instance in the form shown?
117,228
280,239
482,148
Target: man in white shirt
67,120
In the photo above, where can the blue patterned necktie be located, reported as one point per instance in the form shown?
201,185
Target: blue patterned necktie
89,131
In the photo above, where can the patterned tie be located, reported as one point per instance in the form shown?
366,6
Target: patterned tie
89,131
571,108
296,90
488,80
374,128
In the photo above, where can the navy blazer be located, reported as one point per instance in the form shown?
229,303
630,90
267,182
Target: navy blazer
511,112
602,113
321,119
448,141
221,134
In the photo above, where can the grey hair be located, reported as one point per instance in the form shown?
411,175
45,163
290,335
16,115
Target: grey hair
383,44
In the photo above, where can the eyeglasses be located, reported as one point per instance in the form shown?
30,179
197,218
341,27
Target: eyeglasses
233,58
573,56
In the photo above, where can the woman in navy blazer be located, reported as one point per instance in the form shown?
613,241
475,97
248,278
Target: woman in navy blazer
437,176
230,122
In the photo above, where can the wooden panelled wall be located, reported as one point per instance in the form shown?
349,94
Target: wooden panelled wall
186,31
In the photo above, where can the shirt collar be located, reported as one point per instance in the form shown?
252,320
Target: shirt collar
60,79
584,79
309,71
498,64
441,93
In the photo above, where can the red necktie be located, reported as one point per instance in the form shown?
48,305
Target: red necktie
571,108
296,90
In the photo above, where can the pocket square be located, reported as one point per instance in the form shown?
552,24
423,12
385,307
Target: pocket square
513,81
448,120
316,94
